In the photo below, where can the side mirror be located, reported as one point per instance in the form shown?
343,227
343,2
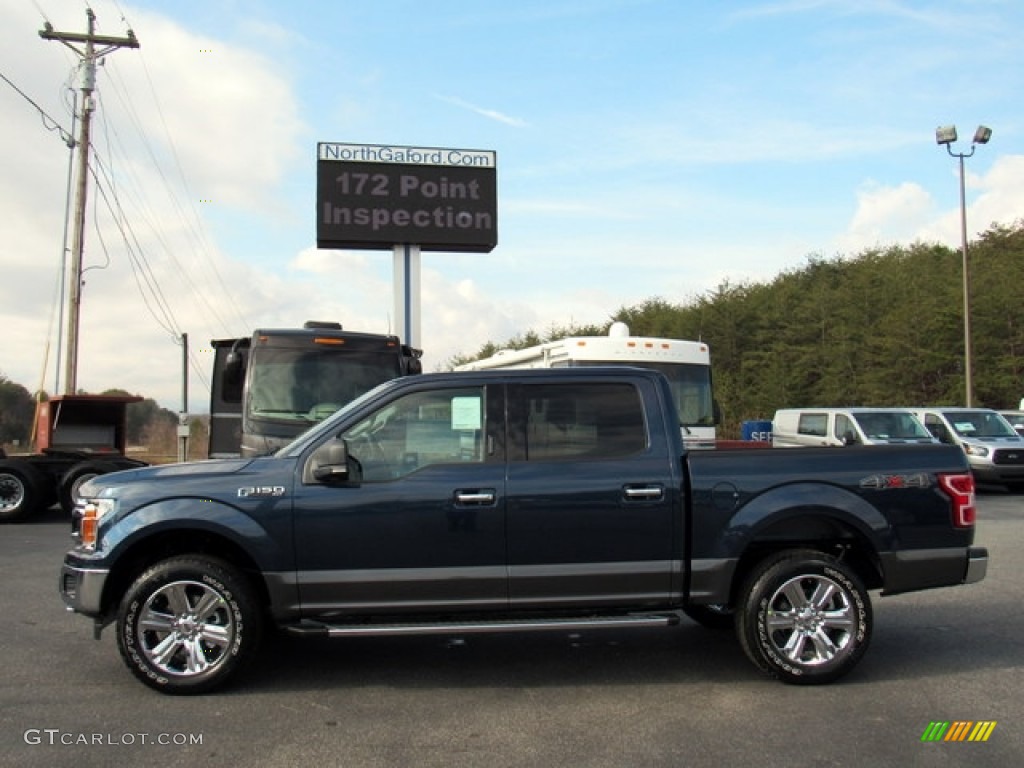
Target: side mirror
234,375
332,465
411,360
849,438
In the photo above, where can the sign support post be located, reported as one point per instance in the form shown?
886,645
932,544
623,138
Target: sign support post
406,292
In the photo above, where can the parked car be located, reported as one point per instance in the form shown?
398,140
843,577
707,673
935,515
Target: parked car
793,427
994,449
1016,419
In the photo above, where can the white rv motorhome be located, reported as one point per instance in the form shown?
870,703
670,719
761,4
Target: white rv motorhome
686,364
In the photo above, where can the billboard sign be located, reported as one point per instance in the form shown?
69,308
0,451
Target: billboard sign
371,196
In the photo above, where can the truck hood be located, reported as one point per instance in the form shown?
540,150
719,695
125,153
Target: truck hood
192,470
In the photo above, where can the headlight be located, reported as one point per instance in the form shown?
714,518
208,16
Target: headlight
976,450
93,511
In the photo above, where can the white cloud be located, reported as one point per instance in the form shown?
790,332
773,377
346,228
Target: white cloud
1002,193
223,112
996,196
906,212
491,114
886,215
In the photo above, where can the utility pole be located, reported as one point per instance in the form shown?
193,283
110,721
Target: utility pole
87,69
183,428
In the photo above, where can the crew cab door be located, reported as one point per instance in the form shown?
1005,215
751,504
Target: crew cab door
424,528
591,498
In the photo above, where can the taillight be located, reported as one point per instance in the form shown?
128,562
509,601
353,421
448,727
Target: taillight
960,489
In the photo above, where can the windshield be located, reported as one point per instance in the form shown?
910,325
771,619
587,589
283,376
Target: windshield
884,425
691,390
979,424
1016,420
306,386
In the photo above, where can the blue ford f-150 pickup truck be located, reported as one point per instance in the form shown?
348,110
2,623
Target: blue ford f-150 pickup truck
514,501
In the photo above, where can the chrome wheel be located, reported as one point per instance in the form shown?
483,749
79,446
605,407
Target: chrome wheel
188,624
805,617
185,628
811,620
12,493
23,490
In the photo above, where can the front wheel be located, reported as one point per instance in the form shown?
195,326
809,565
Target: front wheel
805,618
188,624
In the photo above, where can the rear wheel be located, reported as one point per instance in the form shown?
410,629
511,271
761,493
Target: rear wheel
188,624
22,490
805,618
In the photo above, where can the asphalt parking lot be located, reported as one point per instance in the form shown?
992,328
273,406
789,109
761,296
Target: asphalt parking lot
678,697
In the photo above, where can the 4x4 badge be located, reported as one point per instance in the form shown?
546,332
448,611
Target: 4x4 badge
883,482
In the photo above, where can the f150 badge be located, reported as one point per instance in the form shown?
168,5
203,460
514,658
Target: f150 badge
261,492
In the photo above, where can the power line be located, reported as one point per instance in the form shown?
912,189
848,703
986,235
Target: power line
188,213
68,139
189,226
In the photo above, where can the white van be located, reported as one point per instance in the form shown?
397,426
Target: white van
994,449
794,427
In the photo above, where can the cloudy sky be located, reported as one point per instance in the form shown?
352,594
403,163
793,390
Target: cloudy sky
645,148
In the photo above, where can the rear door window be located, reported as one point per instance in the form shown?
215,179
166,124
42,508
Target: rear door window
575,421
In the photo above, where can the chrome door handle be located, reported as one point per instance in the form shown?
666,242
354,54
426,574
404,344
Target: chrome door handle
645,493
483,496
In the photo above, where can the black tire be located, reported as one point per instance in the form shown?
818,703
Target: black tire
714,616
77,476
804,618
188,624
22,490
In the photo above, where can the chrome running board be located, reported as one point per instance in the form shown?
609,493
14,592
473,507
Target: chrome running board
483,626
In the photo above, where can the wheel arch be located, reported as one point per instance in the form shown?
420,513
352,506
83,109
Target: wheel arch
143,553
818,529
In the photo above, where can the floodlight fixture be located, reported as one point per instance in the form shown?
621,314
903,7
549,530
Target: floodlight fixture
945,134
982,135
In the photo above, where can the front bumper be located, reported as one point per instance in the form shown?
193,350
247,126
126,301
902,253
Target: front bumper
81,589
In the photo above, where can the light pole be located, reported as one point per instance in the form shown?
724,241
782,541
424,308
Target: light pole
946,135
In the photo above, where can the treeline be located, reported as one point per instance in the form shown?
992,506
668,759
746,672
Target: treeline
883,327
